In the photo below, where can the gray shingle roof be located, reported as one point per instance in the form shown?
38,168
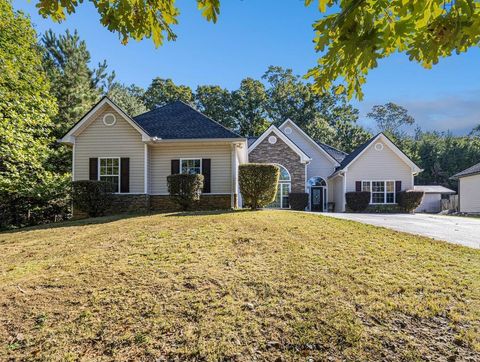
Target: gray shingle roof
251,140
178,120
337,155
469,171
351,156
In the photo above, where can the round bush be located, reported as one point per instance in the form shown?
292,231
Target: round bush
258,184
185,189
358,201
298,200
92,197
409,200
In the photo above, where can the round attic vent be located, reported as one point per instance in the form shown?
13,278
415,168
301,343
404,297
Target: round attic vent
272,140
288,130
109,119
378,146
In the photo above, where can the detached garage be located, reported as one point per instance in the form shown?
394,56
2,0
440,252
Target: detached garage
432,197
469,189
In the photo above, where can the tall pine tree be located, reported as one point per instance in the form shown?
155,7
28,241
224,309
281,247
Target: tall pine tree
74,84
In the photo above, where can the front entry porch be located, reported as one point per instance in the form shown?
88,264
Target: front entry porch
318,194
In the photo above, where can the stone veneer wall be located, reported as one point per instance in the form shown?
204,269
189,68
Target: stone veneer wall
282,154
145,203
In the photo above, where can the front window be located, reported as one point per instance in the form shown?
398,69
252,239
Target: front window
110,172
381,192
191,166
283,189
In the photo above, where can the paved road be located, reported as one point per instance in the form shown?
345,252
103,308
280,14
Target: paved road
454,229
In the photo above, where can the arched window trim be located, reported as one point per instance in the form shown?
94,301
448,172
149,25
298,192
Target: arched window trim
312,181
288,173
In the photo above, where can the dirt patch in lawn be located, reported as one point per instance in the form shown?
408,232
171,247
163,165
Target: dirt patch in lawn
235,286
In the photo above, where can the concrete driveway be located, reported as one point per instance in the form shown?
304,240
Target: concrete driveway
454,229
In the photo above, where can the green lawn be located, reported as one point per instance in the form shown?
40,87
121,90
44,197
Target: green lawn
264,285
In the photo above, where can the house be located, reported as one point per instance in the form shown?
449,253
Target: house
327,174
432,197
469,189
137,154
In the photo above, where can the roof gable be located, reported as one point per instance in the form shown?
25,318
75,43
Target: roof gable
323,148
179,120
303,156
84,122
358,152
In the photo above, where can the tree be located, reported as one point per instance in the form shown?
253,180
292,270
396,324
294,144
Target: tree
26,110
391,118
327,118
249,108
74,84
163,91
216,103
128,98
475,132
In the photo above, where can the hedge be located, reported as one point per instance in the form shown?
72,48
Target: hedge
258,184
409,200
298,200
92,197
185,189
358,201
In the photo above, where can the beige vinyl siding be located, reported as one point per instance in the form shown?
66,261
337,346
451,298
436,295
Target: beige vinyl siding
119,140
338,193
221,164
381,165
321,165
470,194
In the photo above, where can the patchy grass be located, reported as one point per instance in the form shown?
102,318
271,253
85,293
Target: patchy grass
235,286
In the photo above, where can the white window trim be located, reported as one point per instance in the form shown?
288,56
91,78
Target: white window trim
119,171
384,192
109,124
325,194
190,159
285,182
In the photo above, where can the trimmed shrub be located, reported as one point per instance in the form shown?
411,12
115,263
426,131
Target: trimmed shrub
258,184
358,201
409,200
298,200
92,197
185,189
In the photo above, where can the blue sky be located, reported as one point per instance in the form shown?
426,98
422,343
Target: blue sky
251,35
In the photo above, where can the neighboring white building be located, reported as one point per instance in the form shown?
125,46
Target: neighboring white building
432,197
469,189
326,174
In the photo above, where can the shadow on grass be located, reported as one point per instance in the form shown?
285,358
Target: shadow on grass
113,218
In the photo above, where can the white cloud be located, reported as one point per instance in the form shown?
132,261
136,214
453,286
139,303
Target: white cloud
457,113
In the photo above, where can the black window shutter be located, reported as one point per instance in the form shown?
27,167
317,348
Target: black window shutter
398,186
358,186
93,170
206,172
125,174
175,167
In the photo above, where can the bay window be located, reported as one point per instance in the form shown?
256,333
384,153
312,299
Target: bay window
381,192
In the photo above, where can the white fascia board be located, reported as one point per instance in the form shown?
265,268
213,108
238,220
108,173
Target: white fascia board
85,121
394,148
334,161
199,140
303,157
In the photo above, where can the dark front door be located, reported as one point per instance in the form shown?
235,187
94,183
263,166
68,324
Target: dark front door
316,198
